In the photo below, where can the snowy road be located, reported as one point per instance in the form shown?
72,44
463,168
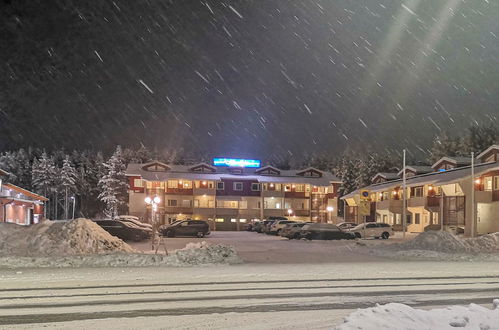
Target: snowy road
251,296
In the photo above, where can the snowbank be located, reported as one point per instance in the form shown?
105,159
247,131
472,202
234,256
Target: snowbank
83,243
49,238
442,241
400,317
439,245
196,255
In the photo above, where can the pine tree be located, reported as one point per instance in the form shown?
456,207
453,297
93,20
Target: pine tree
43,175
446,145
113,186
67,182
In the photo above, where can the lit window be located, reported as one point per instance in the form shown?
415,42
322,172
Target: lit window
487,183
219,220
233,220
137,183
496,183
173,184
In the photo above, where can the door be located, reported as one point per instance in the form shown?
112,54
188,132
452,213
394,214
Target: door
183,228
371,230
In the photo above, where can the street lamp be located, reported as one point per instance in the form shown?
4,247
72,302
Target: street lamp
290,211
154,207
74,202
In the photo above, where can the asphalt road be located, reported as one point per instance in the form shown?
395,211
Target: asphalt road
264,297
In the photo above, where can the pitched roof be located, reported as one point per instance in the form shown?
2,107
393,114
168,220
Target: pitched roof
457,160
435,178
386,175
184,172
418,169
3,173
489,149
25,192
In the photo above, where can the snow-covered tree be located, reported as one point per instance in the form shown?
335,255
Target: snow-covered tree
113,185
67,181
43,177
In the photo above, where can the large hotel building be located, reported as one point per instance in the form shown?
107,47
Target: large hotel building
231,196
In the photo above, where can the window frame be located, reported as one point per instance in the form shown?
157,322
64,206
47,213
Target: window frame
253,184
221,184
235,184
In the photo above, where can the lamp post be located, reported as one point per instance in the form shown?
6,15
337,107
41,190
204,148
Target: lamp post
154,207
74,203
330,209
290,211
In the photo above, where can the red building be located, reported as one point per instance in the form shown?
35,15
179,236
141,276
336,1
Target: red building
18,205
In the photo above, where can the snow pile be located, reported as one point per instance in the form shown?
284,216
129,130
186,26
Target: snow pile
75,237
441,241
200,254
399,317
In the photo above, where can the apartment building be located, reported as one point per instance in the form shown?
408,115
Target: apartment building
18,205
231,196
447,197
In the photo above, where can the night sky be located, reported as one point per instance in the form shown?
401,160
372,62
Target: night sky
246,78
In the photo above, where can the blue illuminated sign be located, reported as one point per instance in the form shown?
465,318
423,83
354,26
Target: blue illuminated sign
236,162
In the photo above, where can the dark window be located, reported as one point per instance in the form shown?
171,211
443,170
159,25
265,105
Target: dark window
255,187
172,202
417,218
220,186
371,225
238,186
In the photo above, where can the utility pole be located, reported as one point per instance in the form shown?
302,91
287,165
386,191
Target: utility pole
404,199
473,224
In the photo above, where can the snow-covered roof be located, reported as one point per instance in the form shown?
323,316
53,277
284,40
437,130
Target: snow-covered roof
184,172
458,161
3,172
386,176
489,149
418,169
435,178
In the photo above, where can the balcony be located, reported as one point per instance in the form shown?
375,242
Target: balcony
178,209
391,205
203,191
179,191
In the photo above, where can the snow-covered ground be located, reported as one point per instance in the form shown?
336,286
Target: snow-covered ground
247,296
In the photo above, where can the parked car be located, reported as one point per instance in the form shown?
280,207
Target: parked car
278,225
258,226
373,229
292,230
134,220
197,228
324,231
347,225
124,230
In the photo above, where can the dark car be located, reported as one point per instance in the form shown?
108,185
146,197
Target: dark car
124,230
292,230
325,231
197,228
259,226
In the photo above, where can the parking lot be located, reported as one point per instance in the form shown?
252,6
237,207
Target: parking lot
261,248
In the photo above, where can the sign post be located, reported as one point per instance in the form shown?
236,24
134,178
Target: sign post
364,208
